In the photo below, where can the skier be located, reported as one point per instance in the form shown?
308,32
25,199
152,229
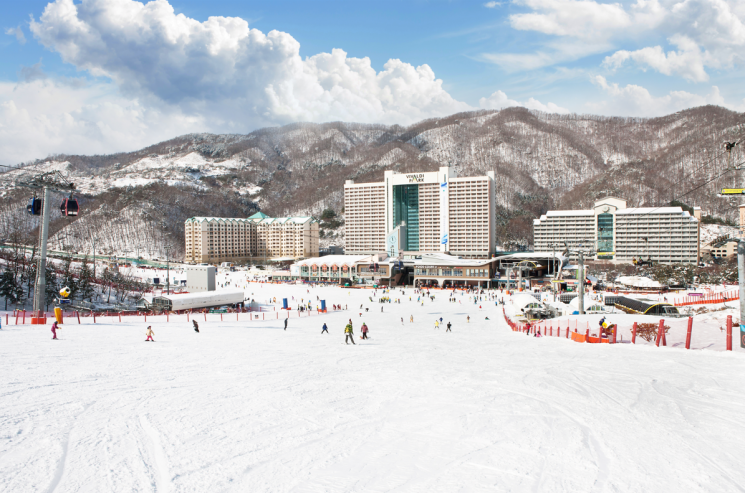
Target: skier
285,324
448,329
411,319
349,333
149,334
402,320
324,329
364,330
538,333
196,326
468,319
437,324
54,330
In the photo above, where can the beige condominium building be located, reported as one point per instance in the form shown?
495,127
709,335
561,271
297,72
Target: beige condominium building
257,238
615,232
421,213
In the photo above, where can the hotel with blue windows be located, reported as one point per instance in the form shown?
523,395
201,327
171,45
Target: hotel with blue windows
615,232
419,213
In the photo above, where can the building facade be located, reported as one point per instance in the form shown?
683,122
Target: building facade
427,212
257,238
662,234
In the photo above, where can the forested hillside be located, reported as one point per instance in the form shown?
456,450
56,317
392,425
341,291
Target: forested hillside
138,201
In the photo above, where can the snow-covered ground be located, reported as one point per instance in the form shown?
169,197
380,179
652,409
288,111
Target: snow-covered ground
246,406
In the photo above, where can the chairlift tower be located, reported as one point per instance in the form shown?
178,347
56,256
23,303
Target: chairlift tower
46,182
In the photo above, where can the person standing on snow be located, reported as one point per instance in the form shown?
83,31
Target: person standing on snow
411,319
324,329
54,330
448,329
149,334
285,324
349,333
364,330
196,326
437,324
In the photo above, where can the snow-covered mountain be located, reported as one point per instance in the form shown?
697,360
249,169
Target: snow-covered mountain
139,200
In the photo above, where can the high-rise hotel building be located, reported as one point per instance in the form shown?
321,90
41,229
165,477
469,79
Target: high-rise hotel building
615,232
421,213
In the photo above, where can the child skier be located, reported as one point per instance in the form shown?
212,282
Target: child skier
54,330
324,329
364,330
149,334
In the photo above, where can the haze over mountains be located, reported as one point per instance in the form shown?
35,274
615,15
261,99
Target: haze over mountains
139,200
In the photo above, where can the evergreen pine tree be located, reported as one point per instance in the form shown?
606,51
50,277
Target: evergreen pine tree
85,285
50,292
8,287
67,278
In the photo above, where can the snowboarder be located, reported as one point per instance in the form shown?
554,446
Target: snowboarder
54,330
349,333
285,324
364,330
448,329
324,329
149,334
196,326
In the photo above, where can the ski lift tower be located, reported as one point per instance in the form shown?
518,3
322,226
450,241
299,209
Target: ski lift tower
46,182
741,242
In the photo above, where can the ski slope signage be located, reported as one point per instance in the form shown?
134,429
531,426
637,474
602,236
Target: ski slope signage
733,191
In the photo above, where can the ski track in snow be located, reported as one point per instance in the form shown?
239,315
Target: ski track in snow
246,406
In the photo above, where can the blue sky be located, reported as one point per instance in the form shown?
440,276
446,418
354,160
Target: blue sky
99,76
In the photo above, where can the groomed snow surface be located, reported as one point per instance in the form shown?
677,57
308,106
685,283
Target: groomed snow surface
248,407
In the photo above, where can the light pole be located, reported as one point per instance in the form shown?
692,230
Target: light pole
168,272
94,257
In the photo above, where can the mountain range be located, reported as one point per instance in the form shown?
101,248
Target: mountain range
137,202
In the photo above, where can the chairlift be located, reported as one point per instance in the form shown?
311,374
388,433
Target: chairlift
69,207
34,206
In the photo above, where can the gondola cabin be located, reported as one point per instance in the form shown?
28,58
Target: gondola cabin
34,206
69,207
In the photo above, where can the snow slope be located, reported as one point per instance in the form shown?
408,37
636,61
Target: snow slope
245,406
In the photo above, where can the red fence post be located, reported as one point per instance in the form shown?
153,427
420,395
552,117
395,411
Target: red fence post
221,317
187,316
7,318
633,334
78,314
24,317
688,333
660,331
729,332
94,317
205,316
615,329
120,316
16,317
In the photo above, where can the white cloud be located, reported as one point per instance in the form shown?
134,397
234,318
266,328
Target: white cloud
586,19
688,62
492,5
225,70
499,100
18,33
634,100
44,116
706,33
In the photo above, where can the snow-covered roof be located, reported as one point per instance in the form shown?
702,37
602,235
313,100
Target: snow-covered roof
653,210
445,260
638,282
582,212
